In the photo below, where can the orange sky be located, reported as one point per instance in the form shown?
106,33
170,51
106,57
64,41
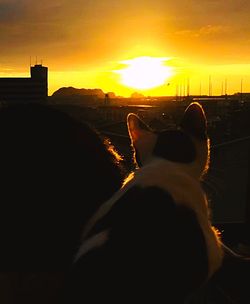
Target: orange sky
84,42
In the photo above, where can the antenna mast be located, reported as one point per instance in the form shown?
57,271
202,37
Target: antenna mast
241,84
188,87
210,86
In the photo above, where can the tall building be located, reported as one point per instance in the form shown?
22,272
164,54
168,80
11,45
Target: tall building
32,89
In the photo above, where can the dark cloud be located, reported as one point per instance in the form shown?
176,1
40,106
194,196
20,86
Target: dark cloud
81,28
11,11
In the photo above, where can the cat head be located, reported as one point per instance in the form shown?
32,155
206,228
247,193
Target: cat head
187,145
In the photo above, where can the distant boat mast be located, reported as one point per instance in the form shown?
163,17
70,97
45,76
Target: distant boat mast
188,87
225,86
210,86
241,88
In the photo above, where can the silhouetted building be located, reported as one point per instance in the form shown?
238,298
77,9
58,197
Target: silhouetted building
107,100
33,89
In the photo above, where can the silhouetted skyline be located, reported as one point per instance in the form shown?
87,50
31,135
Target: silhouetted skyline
84,42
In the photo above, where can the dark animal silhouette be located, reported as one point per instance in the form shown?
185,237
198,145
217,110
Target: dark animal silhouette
55,172
153,240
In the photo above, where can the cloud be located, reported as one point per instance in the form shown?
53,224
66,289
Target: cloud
10,11
25,24
88,30
207,30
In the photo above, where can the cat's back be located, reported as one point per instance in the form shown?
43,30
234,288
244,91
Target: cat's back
142,238
145,235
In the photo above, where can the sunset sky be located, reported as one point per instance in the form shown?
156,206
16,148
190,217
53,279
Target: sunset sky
85,42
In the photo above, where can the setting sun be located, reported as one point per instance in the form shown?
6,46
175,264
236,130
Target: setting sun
144,72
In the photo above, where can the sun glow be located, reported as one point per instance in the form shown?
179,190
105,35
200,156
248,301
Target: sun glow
145,72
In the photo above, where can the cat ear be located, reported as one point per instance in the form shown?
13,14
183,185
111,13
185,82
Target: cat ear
136,127
194,121
142,138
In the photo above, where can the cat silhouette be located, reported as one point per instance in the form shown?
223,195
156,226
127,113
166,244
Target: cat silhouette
153,240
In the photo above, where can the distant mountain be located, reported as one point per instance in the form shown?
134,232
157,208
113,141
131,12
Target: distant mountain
136,95
70,91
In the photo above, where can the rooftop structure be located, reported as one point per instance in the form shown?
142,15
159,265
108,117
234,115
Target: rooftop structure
24,89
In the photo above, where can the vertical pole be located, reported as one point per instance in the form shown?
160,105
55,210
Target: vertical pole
241,84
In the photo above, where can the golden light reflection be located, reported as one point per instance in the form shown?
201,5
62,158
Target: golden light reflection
145,72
